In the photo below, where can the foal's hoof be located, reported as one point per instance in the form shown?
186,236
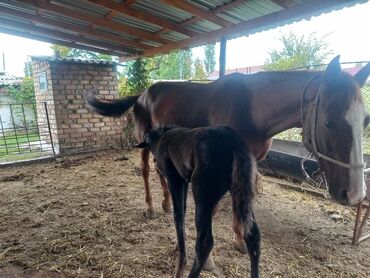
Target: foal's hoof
166,207
149,213
240,246
210,264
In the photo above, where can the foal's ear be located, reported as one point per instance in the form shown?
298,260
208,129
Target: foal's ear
362,75
333,71
142,145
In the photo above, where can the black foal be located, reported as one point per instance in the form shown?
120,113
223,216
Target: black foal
215,160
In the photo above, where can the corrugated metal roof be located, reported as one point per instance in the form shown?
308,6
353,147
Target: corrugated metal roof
74,60
147,27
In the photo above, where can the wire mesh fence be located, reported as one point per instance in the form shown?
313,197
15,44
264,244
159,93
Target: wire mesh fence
22,134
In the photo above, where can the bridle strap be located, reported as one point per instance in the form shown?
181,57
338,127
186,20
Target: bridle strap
312,119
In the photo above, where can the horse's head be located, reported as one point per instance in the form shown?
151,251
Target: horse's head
333,131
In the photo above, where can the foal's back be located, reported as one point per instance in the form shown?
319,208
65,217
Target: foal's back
209,149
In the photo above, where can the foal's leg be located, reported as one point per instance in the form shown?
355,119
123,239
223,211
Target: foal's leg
204,242
179,189
253,242
166,203
149,213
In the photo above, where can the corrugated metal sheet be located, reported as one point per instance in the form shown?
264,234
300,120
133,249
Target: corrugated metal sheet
243,12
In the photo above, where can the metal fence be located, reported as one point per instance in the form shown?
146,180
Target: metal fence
22,134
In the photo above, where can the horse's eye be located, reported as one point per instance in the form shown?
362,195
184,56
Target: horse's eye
329,124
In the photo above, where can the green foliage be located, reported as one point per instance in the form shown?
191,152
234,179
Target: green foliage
25,92
209,58
123,87
176,65
137,76
298,51
67,52
199,73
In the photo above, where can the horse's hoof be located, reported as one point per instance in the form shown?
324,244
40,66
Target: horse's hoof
166,207
149,213
240,246
210,264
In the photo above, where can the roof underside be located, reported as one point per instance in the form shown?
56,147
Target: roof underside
139,28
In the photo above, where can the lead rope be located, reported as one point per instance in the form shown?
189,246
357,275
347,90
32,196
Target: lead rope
311,182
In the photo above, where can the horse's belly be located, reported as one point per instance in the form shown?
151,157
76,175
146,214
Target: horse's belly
260,149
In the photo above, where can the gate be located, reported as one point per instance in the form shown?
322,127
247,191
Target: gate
22,135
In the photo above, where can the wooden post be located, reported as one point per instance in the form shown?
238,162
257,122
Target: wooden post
222,56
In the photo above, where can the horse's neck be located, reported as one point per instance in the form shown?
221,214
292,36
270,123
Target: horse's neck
277,105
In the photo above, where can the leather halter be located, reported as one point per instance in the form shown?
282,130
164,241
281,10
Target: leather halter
309,133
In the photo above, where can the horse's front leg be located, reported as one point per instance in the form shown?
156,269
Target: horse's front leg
149,212
166,203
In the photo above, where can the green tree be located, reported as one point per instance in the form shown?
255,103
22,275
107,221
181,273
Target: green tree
298,51
175,65
209,58
25,92
199,73
137,76
67,52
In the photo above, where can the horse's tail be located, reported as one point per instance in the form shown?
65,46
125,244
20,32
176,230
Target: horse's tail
113,108
242,187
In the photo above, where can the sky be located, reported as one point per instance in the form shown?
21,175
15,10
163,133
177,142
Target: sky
347,30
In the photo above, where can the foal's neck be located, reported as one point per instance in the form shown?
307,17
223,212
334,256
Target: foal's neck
277,107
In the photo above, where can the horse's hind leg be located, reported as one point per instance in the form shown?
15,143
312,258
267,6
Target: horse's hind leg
179,191
166,203
149,213
253,242
238,240
204,242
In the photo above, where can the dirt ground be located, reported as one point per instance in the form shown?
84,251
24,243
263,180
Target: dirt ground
82,216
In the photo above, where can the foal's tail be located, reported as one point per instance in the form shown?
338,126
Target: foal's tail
242,188
113,108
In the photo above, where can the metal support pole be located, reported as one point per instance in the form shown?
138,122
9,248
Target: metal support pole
222,56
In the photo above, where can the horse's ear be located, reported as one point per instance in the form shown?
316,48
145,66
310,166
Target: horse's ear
142,145
333,71
362,75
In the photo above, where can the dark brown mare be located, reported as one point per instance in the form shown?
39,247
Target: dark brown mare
328,105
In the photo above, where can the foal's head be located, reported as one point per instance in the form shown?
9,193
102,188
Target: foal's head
152,138
336,125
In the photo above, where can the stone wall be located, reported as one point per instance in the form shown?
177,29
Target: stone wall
74,127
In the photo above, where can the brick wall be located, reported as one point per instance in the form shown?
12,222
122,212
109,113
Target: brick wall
74,127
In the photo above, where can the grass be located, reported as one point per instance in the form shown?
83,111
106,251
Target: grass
10,142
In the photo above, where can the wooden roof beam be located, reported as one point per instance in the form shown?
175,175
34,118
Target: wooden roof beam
208,15
7,23
78,29
109,15
279,17
128,2
57,41
114,6
58,9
